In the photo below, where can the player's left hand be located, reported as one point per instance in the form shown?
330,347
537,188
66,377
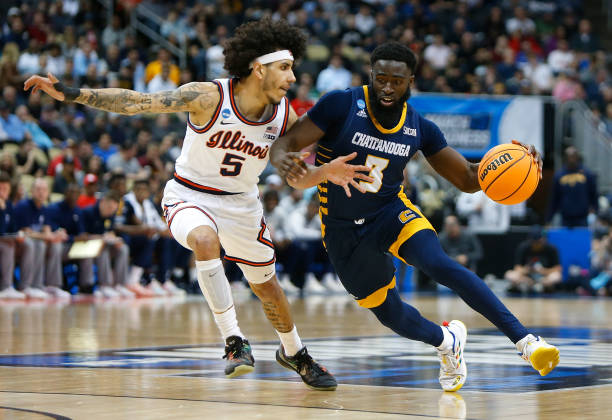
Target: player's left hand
343,174
534,155
293,166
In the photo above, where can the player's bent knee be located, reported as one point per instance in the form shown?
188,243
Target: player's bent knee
258,275
204,242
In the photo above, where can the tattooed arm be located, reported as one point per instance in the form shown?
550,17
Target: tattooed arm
197,98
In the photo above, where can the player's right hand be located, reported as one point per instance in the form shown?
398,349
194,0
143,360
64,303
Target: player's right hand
344,174
45,84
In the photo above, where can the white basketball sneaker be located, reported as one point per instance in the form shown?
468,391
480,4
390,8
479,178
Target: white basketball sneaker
453,371
541,355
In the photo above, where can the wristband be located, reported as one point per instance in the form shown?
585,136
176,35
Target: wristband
70,93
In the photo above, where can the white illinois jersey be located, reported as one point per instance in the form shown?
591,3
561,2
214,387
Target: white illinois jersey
227,155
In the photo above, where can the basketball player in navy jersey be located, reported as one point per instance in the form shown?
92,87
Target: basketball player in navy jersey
213,199
375,125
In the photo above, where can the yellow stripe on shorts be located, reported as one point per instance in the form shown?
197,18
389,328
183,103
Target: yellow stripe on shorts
412,227
378,297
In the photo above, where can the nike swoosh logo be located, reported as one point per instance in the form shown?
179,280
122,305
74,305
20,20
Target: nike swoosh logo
268,274
226,123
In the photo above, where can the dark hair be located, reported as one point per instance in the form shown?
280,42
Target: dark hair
271,194
140,181
111,195
260,37
4,177
395,51
116,177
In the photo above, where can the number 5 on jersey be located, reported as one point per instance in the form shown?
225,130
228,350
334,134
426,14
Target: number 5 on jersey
377,166
235,162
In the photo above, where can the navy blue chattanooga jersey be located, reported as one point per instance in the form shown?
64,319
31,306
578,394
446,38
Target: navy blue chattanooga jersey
349,127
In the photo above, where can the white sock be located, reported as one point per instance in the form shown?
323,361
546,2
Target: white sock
291,341
447,341
520,345
135,275
228,324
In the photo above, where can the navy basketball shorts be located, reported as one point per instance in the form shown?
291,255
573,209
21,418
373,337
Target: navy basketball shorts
361,251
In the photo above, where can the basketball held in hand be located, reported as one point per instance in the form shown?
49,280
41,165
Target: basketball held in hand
508,174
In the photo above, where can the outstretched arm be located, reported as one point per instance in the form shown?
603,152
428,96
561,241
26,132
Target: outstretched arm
285,155
463,174
192,97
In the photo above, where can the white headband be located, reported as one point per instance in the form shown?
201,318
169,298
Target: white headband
272,57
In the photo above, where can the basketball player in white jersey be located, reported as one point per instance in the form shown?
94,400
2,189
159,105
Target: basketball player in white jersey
212,202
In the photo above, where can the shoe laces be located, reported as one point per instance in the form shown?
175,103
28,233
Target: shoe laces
305,362
235,348
450,362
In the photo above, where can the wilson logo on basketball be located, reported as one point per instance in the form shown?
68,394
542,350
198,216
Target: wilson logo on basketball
495,163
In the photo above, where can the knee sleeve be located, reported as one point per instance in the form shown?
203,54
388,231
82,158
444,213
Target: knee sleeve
258,275
214,285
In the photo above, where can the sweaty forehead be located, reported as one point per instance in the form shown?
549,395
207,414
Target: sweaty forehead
391,67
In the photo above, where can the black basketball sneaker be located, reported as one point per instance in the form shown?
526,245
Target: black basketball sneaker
239,357
313,374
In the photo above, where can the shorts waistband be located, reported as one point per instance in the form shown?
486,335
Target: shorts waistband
201,188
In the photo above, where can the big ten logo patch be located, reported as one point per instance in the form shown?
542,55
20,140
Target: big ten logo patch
495,164
408,215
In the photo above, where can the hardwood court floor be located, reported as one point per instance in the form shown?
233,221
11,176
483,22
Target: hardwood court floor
161,359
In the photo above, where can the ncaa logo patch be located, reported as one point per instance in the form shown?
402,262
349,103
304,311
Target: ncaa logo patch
360,104
226,113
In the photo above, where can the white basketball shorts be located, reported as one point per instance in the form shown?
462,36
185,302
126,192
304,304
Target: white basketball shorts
237,219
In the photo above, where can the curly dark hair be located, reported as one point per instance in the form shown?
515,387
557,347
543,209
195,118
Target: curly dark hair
260,37
395,51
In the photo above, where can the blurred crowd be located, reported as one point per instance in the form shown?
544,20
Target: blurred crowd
61,157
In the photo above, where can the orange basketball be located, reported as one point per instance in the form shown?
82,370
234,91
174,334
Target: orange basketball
508,174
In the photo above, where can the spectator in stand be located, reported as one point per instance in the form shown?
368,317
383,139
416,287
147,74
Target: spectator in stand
155,67
161,81
302,103
9,240
438,55
482,213
155,240
574,192
124,160
66,215
105,147
56,62
460,245
585,40
41,241
114,33
27,162
112,262
567,87
562,58
520,22
88,197
66,176
9,75
537,267
334,77
29,60
303,229
33,130
11,125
